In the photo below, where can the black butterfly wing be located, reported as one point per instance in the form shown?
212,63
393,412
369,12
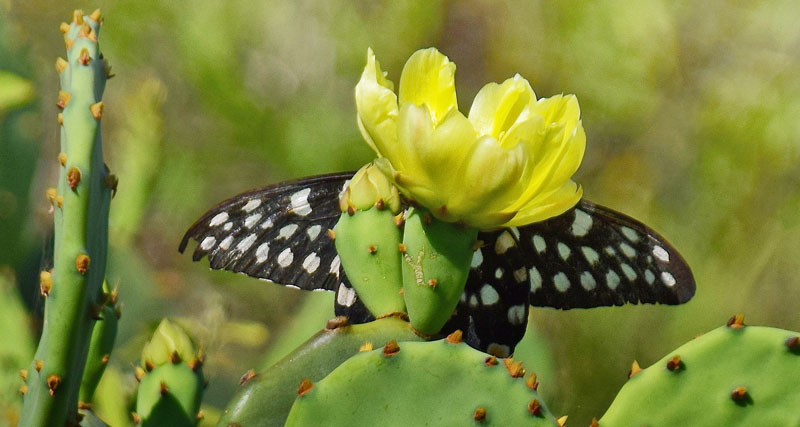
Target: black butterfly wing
348,304
593,256
278,233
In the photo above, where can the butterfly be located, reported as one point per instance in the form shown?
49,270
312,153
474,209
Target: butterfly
589,256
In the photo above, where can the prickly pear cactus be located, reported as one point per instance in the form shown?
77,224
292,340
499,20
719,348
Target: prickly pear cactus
735,375
80,203
103,335
436,261
171,381
368,240
440,383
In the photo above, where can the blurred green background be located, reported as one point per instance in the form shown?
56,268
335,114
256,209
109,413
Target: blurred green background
691,109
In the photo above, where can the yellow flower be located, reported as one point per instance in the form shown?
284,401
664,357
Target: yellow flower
508,163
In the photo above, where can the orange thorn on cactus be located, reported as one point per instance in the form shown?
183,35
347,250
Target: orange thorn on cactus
305,386
64,28
739,394
148,365
736,322
249,375
163,388
136,418
562,421
97,110
534,407
96,16
391,348
45,283
23,389
84,405
675,363
111,182
63,99
73,177
532,382
402,248
61,64
59,201
793,343
380,205
62,159
515,369
455,337
23,373
331,234
82,263
432,283
53,382
427,219
372,249
399,220
337,322
367,346
38,365
635,369
51,194
200,415
479,415
351,211
196,363
490,361
104,359
175,358
139,373
60,119
84,58
594,422
68,42
77,16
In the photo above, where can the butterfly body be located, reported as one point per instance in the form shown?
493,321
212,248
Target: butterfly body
587,257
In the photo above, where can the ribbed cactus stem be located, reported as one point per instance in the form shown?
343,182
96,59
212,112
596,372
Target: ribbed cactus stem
81,232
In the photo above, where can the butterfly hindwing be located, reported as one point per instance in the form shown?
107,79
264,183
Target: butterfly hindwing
593,256
348,304
278,233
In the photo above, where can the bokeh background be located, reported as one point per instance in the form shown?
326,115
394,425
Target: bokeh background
691,109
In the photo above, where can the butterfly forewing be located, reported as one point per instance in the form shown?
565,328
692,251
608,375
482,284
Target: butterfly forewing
348,304
592,256
278,233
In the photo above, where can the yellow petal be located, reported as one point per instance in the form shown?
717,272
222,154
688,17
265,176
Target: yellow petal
498,106
414,128
548,205
428,79
376,105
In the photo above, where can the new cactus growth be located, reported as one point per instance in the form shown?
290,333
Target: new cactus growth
100,346
368,240
442,383
172,386
435,266
81,232
733,375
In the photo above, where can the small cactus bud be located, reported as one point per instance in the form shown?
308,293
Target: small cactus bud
61,64
249,375
455,337
63,99
635,369
367,346
38,365
77,17
736,322
675,363
73,177
53,382
84,58
62,159
369,187
64,28
479,415
82,263
97,110
391,348
534,407
305,386
45,283
96,16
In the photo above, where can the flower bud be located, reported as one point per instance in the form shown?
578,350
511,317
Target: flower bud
369,187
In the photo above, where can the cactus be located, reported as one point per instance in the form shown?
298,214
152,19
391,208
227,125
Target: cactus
436,262
81,202
438,383
733,375
170,380
102,342
368,240
267,396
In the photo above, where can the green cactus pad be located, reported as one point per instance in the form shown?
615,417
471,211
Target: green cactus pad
419,384
435,268
103,335
266,397
731,376
367,243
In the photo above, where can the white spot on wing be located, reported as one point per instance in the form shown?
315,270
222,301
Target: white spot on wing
208,243
227,226
252,204
504,243
563,250
587,281
515,232
251,220
335,265
520,274
226,243
473,301
668,279
539,243
346,296
612,280
245,243
649,276
627,250
630,234
299,202
516,314
477,259
262,252
287,231
311,263
489,296
498,274
582,223
285,258
218,219
630,274
266,224
561,281
535,278
661,253
590,254
313,231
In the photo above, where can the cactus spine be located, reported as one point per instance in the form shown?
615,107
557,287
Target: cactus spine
81,232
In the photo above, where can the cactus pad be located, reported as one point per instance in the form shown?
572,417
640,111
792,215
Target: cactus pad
439,383
732,376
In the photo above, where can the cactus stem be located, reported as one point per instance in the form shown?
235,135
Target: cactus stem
45,283
61,64
84,405
532,382
331,234
63,99
535,408
73,177
77,17
455,337
64,28
367,346
736,322
391,348
305,386
97,110
675,363
562,421
249,375
62,159
490,361
739,394
53,382
372,249
479,415
635,369
82,263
